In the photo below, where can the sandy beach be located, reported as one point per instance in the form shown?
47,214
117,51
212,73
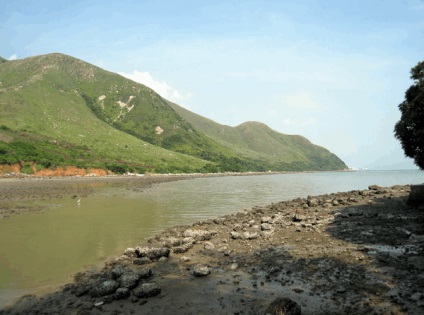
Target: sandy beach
359,252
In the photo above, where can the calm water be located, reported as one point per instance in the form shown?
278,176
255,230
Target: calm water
43,249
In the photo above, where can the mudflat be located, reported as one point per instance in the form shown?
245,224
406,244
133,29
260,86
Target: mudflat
14,189
359,252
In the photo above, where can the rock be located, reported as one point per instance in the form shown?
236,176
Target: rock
142,261
152,252
201,271
250,236
129,280
185,259
298,216
145,273
122,293
266,226
171,242
182,249
119,270
374,187
130,252
145,290
209,246
105,288
312,202
237,227
266,220
235,235
199,235
80,289
283,306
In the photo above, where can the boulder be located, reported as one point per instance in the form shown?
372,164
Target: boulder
235,235
250,236
145,273
129,280
142,261
283,306
266,226
182,249
201,271
145,290
153,253
209,246
198,235
104,288
122,293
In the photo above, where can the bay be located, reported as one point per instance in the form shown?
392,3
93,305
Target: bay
41,250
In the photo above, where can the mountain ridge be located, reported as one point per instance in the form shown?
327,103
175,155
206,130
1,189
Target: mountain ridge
52,95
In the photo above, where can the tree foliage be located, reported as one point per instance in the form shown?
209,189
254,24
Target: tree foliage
410,128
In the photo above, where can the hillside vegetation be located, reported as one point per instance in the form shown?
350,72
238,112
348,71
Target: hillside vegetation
56,110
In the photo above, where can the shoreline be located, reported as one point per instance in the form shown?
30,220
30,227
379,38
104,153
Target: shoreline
357,252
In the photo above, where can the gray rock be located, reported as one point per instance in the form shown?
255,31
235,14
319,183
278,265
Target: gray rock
145,273
209,246
201,271
104,288
129,280
119,270
142,261
283,306
235,235
182,249
130,252
171,242
122,293
199,235
145,290
153,253
266,220
312,202
266,226
250,236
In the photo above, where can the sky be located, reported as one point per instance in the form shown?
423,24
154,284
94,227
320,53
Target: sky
331,71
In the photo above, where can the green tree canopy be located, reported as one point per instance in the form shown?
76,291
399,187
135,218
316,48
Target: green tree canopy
410,128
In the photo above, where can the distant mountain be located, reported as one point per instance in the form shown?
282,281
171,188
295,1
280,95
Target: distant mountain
257,141
2,59
68,112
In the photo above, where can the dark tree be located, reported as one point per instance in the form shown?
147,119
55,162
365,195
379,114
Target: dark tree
410,128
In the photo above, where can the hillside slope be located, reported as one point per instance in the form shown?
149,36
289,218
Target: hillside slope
59,99
256,140
46,96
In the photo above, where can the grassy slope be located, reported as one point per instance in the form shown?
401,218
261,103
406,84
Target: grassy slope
40,97
258,141
66,99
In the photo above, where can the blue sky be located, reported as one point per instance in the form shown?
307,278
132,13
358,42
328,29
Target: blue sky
332,71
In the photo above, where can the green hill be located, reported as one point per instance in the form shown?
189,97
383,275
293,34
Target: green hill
257,141
69,112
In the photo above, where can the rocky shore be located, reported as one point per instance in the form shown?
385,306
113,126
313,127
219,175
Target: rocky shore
359,252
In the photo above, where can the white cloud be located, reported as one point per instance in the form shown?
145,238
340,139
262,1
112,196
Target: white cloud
13,57
160,87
